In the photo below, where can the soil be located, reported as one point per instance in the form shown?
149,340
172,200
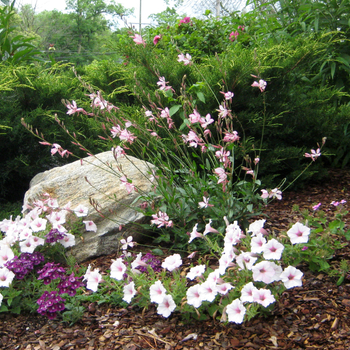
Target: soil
314,316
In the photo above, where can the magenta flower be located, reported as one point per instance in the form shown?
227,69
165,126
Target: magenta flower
138,40
185,20
156,39
234,36
315,207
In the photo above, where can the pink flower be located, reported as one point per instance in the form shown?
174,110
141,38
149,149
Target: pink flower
165,113
257,243
206,121
222,155
314,154
118,152
6,277
223,111
161,219
72,108
228,95
220,172
90,226
129,186
261,84
93,279
172,262
127,136
194,117
263,297
138,40
291,277
224,288
185,20
241,28
162,84
246,260
6,254
157,292
234,35
235,311
231,137
275,193
205,203
156,39
80,210
192,138
298,233
167,306
129,292
185,59
68,240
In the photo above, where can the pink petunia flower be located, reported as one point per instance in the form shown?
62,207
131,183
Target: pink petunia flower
157,292
129,292
118,269
193,296
167,306
298,233
263,297
195,234
235,311
156,39
90,226
273,250
172,262
291,277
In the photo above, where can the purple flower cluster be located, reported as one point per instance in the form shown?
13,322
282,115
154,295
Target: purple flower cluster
22,265
50,272
54,235
69,284
152,261
50,303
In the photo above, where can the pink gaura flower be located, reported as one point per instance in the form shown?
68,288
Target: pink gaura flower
194,117
156,39
206,121
161,219
220,172
165,113
228,95
205,203
118,152
127,243
222,155
231,136
185,59
129,186
223,111
127,136
261,85
162,84
138,40
192,138
313,155
73,108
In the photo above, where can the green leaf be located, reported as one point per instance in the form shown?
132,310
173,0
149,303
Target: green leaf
200,96
157,251
174,109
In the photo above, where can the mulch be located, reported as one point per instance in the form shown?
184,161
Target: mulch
314,316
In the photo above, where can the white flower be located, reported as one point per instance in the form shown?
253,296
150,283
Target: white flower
273,250
247,293
196,272
194,234
127,243
129,292
167,306
193,296
68,240
6,277
291,277
257,243
298,233
1,297
235,311
256,227
246,260
264,271
80,211
118,269
157,292
208,291
172,262
38,224
6,254
263,296
93,278
224,288
90,226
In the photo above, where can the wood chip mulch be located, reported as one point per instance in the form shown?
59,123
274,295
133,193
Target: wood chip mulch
314,316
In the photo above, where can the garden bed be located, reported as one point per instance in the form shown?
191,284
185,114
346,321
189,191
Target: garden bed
313,316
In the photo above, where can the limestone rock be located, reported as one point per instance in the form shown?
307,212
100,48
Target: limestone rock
97,178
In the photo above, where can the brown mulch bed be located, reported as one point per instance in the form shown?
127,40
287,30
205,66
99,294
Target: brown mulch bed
314,316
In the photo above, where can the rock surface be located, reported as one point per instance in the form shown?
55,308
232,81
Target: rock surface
97,178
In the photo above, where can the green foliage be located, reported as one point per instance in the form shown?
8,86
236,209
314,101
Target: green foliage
14,48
